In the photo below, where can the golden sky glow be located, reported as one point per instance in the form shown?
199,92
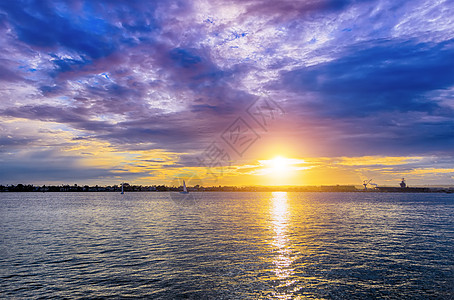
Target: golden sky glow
279,164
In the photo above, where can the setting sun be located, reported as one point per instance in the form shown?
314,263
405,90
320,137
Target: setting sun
279,165
281,170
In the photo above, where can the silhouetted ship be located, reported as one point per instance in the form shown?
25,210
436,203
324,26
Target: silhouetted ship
403,189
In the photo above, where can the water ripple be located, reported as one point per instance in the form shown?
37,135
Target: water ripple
229,246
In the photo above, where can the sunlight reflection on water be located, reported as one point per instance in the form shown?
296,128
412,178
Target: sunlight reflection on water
282,246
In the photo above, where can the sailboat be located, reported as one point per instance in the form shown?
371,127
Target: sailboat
122,190
185,190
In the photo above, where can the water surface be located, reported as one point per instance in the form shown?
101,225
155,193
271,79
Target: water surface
227,246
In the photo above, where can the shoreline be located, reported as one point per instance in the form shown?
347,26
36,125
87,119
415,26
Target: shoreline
430,191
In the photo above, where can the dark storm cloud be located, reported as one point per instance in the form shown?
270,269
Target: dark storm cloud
385,77
37,23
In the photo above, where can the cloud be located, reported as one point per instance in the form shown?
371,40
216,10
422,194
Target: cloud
32,172
386,76
354,79
377,97
41,25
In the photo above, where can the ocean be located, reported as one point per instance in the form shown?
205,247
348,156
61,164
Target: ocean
225,245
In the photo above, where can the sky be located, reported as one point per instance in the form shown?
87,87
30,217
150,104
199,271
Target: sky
311,92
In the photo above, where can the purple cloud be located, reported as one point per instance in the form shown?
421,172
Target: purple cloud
354,79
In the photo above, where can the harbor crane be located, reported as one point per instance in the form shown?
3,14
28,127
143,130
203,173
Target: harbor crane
365,183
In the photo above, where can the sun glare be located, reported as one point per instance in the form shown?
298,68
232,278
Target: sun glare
281,170
279,165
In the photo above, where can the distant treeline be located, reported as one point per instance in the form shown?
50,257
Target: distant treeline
163,188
